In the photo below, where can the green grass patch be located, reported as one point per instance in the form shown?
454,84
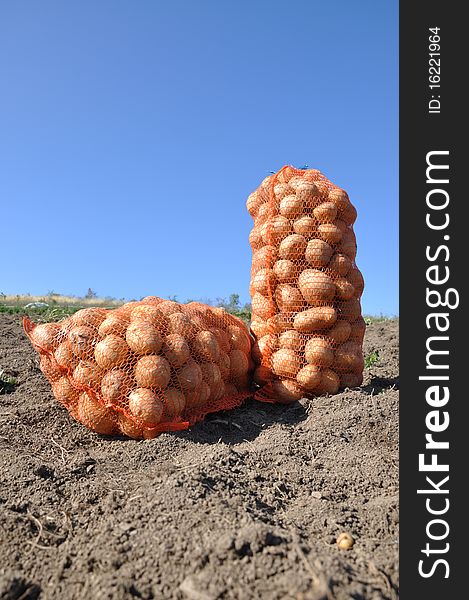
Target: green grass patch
7,382
369,319
371,359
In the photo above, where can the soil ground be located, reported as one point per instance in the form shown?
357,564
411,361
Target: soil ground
246,505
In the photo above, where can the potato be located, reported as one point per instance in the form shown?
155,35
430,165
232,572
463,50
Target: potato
340,332
176,349
350,310
262,375
295,181
230,390
211,374
87,373
82,339
312,319
152,372
307,191
65,356
291,206
316,287
285,363
111,352
217,391
253,203
285,270
264,281
286,390
243,382
174,403
46,337
305,226
288,298
239,338
329,383
239,363
129,427
259,328
283,189
357,330
264,258
148,313
356,279
146,405
181,323
261,306
50,368
189,376
224,365
223,339
206,346
348,244
340,264
197,397
115,386
280,322
309,377
142,337
348,214
311,175
278,229
255,239
126,309
154,300
323,186
65,393
319,352
113,324
267,183
345,290
292,247
318,253
330,233
339,198
264,212
325,212
95,416
341,225
351,380
264,346
291,340
166,307
89,317
348,357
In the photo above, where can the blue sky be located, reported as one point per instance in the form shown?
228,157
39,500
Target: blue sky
133,132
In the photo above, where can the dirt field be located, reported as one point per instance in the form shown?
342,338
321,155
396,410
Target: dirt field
247,505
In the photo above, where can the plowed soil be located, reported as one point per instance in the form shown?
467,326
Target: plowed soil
246,505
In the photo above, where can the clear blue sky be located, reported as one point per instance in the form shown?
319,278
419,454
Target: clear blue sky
133,132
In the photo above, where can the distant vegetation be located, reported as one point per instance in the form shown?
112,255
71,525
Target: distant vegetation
54,306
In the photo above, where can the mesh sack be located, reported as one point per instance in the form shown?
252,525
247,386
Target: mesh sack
146,367
305,287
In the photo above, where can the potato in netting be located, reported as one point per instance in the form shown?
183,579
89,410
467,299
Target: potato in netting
305,287
146,367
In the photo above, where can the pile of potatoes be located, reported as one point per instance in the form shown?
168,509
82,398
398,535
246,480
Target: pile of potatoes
146,367
305,287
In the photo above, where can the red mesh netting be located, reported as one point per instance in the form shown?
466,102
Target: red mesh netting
146,367
305,287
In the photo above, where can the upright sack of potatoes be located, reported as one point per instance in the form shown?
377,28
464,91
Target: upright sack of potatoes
305,287
146,367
